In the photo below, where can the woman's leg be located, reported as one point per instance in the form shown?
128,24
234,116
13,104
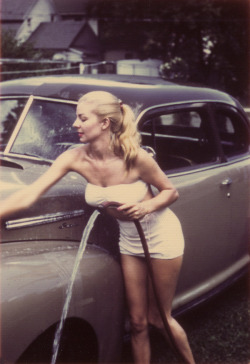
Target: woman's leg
166,274
135,278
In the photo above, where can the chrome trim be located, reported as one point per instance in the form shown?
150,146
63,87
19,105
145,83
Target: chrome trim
188,102
13,96
167,136
42,219
212,165
52,99
28,157
226,182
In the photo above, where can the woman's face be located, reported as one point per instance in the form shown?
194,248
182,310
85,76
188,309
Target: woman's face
87,123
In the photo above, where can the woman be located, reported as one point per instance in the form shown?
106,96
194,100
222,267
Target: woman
119,171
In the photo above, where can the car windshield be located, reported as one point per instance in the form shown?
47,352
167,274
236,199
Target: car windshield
47,130
11,110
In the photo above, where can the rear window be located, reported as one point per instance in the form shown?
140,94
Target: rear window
233,132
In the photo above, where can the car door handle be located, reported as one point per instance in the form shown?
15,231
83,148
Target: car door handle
226,182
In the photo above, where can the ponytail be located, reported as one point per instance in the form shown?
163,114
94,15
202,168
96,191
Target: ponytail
125,141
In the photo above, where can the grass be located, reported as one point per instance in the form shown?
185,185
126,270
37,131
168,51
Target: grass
218,331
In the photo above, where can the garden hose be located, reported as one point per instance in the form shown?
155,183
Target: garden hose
167,328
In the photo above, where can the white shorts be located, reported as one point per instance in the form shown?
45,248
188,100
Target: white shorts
163,233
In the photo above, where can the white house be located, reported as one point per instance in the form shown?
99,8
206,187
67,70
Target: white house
24,16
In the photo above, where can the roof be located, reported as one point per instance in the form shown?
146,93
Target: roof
61,35
10,27
69,7
15,9
139,92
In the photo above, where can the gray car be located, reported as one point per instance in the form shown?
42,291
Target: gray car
199,137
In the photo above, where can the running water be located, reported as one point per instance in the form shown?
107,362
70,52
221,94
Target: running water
79,255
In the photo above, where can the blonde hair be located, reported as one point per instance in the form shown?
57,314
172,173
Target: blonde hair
124,138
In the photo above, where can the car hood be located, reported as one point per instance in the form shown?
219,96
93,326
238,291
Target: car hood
58,214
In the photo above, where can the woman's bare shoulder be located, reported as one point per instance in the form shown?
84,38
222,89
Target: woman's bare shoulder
70,157
143,157
75,153
147,167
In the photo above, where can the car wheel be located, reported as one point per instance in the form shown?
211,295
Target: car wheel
78,345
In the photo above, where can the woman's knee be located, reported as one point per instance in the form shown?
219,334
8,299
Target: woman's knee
155,319
138,324
173,325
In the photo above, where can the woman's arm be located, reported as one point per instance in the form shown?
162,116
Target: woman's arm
27,196
150,172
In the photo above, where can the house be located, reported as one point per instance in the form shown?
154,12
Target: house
57,27
62,30
75,10
22,17
71,9
74,41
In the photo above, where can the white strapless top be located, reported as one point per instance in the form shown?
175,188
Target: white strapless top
99,196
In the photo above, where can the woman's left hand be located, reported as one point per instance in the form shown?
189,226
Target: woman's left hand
133,211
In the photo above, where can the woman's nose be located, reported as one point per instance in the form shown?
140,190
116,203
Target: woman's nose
75,123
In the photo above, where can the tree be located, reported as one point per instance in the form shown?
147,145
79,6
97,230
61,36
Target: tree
203,41
11,48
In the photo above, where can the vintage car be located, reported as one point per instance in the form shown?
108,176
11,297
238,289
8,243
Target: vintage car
200,138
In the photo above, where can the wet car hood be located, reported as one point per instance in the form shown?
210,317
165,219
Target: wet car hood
61,207
18,173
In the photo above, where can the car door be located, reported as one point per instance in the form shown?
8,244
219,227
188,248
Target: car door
188,150
234,138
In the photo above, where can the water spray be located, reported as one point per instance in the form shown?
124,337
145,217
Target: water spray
78,258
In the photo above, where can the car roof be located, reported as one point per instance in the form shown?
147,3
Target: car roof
144,91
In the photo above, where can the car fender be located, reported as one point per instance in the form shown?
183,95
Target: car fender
35,277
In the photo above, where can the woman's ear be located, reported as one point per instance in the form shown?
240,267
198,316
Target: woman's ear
105,123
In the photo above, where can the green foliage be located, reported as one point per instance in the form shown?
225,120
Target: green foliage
11,48
208,37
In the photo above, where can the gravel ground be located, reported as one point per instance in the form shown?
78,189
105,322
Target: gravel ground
218,331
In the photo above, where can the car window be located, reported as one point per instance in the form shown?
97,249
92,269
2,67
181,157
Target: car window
181,139
232,130
11,110
47,130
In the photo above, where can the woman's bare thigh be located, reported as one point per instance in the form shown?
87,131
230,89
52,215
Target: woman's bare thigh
135,280
166,273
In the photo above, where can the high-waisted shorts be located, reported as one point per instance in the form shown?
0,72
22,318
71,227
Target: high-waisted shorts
163,234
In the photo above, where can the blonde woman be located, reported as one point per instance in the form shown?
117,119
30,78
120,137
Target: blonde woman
118,170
